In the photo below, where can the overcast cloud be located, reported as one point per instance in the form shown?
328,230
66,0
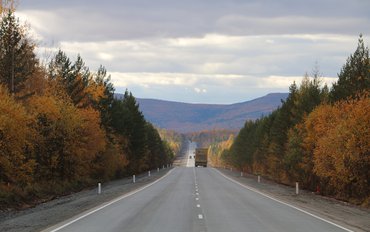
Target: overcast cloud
210,51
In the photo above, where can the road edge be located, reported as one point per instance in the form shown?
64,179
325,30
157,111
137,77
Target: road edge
281,201
86,213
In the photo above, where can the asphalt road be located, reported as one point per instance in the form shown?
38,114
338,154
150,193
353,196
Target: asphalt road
195,199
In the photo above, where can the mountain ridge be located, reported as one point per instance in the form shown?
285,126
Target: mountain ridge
192,117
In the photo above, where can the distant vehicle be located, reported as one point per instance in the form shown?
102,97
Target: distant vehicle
201,155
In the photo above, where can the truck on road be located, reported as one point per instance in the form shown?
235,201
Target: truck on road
201,155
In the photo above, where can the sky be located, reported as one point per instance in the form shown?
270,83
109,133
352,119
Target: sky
201,51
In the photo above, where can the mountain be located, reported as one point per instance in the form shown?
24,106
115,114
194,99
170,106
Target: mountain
186,117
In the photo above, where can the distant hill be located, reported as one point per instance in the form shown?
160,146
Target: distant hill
185,117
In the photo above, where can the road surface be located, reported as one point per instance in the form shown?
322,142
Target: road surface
195,199
190,154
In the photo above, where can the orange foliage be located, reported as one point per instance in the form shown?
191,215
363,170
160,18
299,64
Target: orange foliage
340,138
68,138
16,165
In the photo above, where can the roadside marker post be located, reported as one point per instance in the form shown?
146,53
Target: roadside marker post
157,169
259,179
148,173
133,179
99,188
241,174
296,188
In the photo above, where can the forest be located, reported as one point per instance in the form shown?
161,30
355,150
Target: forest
319,137
61,129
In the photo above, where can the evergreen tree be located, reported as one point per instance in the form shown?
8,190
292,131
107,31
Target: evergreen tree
17,58
105,102
129,121
73,77
354,76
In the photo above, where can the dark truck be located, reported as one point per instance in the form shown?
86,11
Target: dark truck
201,155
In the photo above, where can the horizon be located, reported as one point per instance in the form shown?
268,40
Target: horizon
199,103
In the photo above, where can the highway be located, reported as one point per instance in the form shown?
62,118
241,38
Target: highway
195,199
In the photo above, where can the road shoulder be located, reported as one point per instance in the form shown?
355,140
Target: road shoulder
350,216
50,213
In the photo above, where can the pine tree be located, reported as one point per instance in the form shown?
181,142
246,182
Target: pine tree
17,58
354,76
105,103
129,122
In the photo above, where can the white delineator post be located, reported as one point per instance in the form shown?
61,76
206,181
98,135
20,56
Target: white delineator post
296,188
241,174
148,173
99,188
259,179
133,179
157,169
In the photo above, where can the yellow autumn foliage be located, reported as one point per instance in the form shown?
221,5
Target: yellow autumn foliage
340,138
16,165
68,138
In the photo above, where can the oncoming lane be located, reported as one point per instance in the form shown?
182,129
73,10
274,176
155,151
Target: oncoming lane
195,199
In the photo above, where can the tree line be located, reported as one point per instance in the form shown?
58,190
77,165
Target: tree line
319,137
61,128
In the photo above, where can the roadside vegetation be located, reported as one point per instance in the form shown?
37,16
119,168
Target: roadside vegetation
319,137
60,127
216,140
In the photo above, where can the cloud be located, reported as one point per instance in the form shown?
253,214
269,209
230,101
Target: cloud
146,19
219,54
228,50
215,88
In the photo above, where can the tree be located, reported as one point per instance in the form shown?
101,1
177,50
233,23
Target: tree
129,122
74,78
17,58
355,74
16,161
68,138
342,146
105,101
7,5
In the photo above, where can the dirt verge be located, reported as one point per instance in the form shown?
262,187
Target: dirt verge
50,213
347,215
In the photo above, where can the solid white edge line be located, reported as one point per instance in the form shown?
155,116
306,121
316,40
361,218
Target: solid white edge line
106,204
282,202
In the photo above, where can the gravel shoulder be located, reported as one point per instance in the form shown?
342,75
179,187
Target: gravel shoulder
350,216
50,213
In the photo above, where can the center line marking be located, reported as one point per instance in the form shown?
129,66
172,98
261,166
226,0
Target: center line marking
197,199
200,216
198,205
